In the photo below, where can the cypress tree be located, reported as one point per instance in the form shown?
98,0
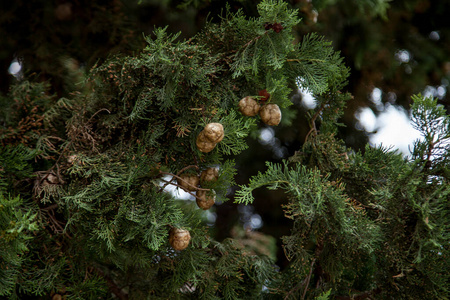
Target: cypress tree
85,206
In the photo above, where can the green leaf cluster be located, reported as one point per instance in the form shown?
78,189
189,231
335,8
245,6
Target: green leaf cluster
361,218
16,227
366,221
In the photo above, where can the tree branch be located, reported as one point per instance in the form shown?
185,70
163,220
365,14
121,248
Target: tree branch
308,278
179,172
189,192
178,177
313,121
305,283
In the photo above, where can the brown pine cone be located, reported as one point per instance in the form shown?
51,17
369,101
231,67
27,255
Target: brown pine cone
204,144
209,174
214,132
179,238
270,114
205,199
249,107
188,182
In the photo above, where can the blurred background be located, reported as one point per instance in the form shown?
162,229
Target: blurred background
394,49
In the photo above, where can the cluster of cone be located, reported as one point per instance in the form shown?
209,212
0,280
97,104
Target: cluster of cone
179,238
207,140
209,137
270,113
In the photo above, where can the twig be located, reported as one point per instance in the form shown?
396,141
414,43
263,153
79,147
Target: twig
429,153
185,168
308,278
96,114
179,172
303,283
253,40
178,177
313,121
309,133
190,193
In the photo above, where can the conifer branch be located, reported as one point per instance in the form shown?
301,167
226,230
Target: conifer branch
189,192
308,279
179,172
253,40
313,121
300,60
178,177
305,283
429,155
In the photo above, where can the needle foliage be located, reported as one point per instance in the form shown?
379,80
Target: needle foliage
86,206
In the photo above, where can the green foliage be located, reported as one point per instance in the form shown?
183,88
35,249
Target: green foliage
92,171
327,225
14,164
16,226
92,288
372,216
318,65
324,296
263,49
21,115
433,123
237,129
227,173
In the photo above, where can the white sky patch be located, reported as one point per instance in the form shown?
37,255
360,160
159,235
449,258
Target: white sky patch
175,191
366,119
403,56
15,68
256,221
267,136
430,91
440,92
434,35
249,218
394,130
308,100
436,92
376,97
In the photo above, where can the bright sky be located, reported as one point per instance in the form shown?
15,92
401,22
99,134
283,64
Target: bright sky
391,128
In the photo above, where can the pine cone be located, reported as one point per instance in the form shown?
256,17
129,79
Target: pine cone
209,174
204,144
214,132
179,238
188,182
207,199
270,114
248,106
